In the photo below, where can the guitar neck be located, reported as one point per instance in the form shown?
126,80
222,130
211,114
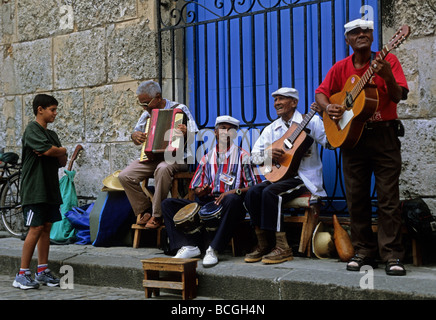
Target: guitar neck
74,156
302,125
367,75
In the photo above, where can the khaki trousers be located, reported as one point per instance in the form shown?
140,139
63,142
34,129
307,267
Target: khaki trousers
131,177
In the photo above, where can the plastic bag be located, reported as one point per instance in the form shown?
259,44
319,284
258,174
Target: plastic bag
79,219
63,231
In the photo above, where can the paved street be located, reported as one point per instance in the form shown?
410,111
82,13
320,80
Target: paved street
80,292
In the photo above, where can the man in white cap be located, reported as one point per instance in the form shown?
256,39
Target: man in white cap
377,151
264,201
223,176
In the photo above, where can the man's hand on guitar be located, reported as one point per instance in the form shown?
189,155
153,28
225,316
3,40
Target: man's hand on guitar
335,111
382,68
315,106
275,154
138,137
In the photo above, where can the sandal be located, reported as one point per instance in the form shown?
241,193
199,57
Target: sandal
154,223
361,261
395,272
144,219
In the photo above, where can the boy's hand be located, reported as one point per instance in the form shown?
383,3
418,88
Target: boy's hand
62,161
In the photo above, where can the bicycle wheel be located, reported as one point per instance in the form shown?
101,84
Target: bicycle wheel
10,205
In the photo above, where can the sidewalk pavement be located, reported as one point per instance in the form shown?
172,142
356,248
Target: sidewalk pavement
300,279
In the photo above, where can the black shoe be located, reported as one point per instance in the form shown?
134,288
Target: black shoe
361,261
395,263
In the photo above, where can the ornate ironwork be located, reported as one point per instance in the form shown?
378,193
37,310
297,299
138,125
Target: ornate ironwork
183,16
183,13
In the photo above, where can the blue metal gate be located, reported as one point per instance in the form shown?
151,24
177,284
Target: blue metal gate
227,56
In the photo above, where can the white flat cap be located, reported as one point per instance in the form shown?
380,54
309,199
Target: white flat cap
227,119
358,23
286,92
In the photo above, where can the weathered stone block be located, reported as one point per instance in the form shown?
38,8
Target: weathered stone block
131,52
415,55
419,162
418,14
28,67
69,123
90,14
39,19
10,122
111,113
7,22
79,59
91,168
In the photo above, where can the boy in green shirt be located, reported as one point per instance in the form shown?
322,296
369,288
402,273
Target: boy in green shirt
42,155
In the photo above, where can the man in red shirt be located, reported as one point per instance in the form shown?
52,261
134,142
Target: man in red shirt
377,151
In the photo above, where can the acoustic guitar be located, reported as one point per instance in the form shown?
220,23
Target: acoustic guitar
295,142
359,96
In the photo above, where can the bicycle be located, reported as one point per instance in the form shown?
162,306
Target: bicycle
10,198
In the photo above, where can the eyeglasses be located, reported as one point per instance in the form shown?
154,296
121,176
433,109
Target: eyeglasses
145,104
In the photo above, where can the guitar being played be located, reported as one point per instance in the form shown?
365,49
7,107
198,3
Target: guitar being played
367,90
373,147
274,148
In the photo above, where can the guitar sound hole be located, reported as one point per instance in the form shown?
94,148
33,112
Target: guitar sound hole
349,101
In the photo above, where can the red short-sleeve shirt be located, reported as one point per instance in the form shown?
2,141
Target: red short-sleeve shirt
342,70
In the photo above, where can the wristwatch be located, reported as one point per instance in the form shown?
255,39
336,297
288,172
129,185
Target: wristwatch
238,192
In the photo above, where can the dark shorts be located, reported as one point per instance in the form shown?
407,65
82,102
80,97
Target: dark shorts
36,215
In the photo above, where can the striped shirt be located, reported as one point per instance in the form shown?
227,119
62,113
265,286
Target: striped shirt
234,163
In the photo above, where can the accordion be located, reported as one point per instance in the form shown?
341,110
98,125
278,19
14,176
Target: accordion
161,137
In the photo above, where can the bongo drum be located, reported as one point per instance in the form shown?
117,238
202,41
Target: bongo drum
187,219
210,215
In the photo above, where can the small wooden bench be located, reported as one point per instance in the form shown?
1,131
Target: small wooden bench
179,177
307,221
182,269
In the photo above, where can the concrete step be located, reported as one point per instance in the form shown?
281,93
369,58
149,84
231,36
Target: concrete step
233,279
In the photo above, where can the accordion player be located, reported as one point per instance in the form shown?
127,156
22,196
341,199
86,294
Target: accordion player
161,135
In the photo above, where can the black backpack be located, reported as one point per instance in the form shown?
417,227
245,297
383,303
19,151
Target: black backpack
420,223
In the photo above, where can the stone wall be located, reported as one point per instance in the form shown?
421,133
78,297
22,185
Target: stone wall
91,55
418,112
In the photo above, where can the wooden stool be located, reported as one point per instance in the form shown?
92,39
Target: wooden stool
309,220
186,268
137,234
178,177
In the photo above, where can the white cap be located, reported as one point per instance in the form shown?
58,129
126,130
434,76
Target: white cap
358,23
286,92
227,119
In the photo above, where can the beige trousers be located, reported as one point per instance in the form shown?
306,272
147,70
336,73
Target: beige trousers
136,172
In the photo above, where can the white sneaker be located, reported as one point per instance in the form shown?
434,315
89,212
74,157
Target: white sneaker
210,259
187,252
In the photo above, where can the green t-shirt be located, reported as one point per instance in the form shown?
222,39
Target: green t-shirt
39,178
